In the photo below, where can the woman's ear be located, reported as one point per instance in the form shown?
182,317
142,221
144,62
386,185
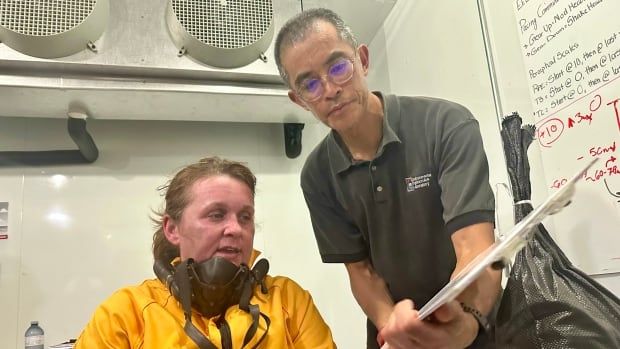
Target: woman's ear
171,230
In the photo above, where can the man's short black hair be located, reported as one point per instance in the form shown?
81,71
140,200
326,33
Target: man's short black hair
296,28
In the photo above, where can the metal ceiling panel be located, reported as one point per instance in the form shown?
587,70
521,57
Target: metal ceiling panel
137,73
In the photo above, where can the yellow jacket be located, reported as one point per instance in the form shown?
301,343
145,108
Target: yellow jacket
149,317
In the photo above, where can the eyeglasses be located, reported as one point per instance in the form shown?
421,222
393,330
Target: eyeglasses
339,73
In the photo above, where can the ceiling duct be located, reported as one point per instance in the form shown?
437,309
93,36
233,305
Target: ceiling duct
136,73
52,28
221,33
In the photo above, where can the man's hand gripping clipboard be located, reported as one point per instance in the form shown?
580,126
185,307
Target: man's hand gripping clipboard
505,249
502,251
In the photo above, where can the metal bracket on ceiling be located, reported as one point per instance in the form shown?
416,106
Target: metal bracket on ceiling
87,151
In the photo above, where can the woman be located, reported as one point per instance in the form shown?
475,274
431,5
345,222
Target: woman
209,297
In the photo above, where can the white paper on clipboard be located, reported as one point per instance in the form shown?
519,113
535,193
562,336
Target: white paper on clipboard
503,250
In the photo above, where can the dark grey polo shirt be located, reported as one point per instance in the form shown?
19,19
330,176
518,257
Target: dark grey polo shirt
428,179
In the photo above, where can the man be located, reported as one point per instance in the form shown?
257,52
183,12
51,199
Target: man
398,190
206,296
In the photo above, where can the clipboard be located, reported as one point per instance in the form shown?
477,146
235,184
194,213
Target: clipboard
502,251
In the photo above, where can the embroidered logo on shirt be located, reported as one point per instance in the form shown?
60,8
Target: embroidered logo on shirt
414,183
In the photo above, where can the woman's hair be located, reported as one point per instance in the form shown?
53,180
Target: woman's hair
178,195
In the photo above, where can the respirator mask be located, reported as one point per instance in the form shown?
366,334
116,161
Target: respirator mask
211,287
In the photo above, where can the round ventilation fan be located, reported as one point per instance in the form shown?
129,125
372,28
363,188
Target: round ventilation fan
52,28
221,33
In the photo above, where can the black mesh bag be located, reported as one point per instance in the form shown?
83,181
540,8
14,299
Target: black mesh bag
548,303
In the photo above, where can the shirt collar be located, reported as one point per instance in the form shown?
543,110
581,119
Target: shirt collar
338,152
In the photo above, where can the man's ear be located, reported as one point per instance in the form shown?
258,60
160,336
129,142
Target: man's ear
295,99
364,55
171,230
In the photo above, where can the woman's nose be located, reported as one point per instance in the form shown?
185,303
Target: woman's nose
233,226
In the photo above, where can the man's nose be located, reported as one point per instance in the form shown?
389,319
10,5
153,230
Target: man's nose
330,89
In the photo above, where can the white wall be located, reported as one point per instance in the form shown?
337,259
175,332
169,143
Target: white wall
436,48
77,233
515,97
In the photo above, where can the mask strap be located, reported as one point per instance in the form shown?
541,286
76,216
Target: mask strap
259,272
257,276
255,312
225,332
182,279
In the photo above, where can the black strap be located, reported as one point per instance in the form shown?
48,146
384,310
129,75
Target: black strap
260,271
246,295
268,322
225,333
254,311
185,293
182,281
197,336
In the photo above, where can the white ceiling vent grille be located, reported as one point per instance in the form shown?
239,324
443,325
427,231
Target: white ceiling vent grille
52,28
221,33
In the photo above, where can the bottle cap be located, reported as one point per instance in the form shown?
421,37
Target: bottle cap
34,322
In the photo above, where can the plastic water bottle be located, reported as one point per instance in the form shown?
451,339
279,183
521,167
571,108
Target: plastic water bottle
34,336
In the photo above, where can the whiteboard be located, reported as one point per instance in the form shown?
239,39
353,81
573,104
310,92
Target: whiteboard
571,51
